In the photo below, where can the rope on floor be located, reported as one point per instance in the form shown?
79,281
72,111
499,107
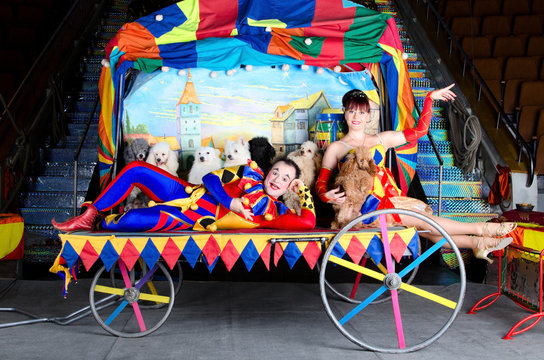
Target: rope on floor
464,146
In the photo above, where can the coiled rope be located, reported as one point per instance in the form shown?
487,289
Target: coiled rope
464,146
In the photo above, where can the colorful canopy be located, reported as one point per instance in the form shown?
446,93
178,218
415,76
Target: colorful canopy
224,34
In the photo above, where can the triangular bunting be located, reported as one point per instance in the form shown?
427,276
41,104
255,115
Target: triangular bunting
398,246
265,255
229,255
212,265
291,254
375,249
69,255
118,244
150,254
211,250
355,250
108,255
278,252
129,254
249,255
191,252
88,255
311,253
170,253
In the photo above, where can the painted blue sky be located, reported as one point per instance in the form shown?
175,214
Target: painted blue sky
241,104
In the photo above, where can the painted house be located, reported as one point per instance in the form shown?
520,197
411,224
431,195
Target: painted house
188,122
291,122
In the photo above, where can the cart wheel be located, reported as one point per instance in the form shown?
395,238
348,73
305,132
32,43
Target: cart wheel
384,324
140,269
130,318
347,291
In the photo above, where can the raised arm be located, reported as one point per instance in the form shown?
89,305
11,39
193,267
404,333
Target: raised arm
397,138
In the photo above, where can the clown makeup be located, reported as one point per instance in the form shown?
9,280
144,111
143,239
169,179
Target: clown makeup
278,179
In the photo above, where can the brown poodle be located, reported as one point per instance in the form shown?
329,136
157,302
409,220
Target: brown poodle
356,179
308,159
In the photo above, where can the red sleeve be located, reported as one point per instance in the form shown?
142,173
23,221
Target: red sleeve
423,123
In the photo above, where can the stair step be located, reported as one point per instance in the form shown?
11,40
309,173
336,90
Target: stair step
88,85
460,205
453,189
86,106
83,117
67,155
449,173
77,129
431,160
66,169
439,134
56,183
40,234
424,146
48,199
43,216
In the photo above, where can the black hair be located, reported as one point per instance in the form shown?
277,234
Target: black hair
290,163
354,99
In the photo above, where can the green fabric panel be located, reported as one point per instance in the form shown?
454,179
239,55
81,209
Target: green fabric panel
361,40
147,65
313,50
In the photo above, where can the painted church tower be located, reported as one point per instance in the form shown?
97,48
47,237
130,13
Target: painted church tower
188,122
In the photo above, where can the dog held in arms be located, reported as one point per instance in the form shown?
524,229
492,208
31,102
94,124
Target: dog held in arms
308,158
356,179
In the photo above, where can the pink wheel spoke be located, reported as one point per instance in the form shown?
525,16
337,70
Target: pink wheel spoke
135,306
139,316
394,294
124,272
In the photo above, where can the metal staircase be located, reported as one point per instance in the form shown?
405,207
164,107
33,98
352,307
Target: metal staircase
462,195
50,193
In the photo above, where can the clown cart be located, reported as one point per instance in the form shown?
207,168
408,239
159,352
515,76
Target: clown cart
363,47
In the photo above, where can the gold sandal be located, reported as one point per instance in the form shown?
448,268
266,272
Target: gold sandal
504,229
494,245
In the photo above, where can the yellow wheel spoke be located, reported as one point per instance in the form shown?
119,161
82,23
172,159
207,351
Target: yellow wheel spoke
358,268
155,298
109,290
376,275
430,296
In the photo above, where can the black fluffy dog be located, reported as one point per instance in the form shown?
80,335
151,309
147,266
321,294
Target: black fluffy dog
262,152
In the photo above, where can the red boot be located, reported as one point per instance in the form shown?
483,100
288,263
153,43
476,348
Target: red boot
84,221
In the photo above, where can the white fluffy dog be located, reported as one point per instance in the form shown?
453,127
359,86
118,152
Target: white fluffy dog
162,156
308,158
207,159
236,152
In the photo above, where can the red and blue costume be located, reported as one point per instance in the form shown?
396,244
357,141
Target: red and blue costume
178,205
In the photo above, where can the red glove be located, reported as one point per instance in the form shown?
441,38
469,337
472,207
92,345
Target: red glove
321,184
422,127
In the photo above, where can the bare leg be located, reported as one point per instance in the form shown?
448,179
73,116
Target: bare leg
462,241
452,227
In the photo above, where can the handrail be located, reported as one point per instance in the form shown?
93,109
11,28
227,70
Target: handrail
440,161
21,166
80,146
502,115
41,56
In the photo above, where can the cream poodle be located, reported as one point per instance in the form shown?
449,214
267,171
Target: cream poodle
162,156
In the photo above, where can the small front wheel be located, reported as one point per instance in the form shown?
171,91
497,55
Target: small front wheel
123,308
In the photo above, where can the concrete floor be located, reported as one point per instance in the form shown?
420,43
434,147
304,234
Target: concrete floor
258,320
